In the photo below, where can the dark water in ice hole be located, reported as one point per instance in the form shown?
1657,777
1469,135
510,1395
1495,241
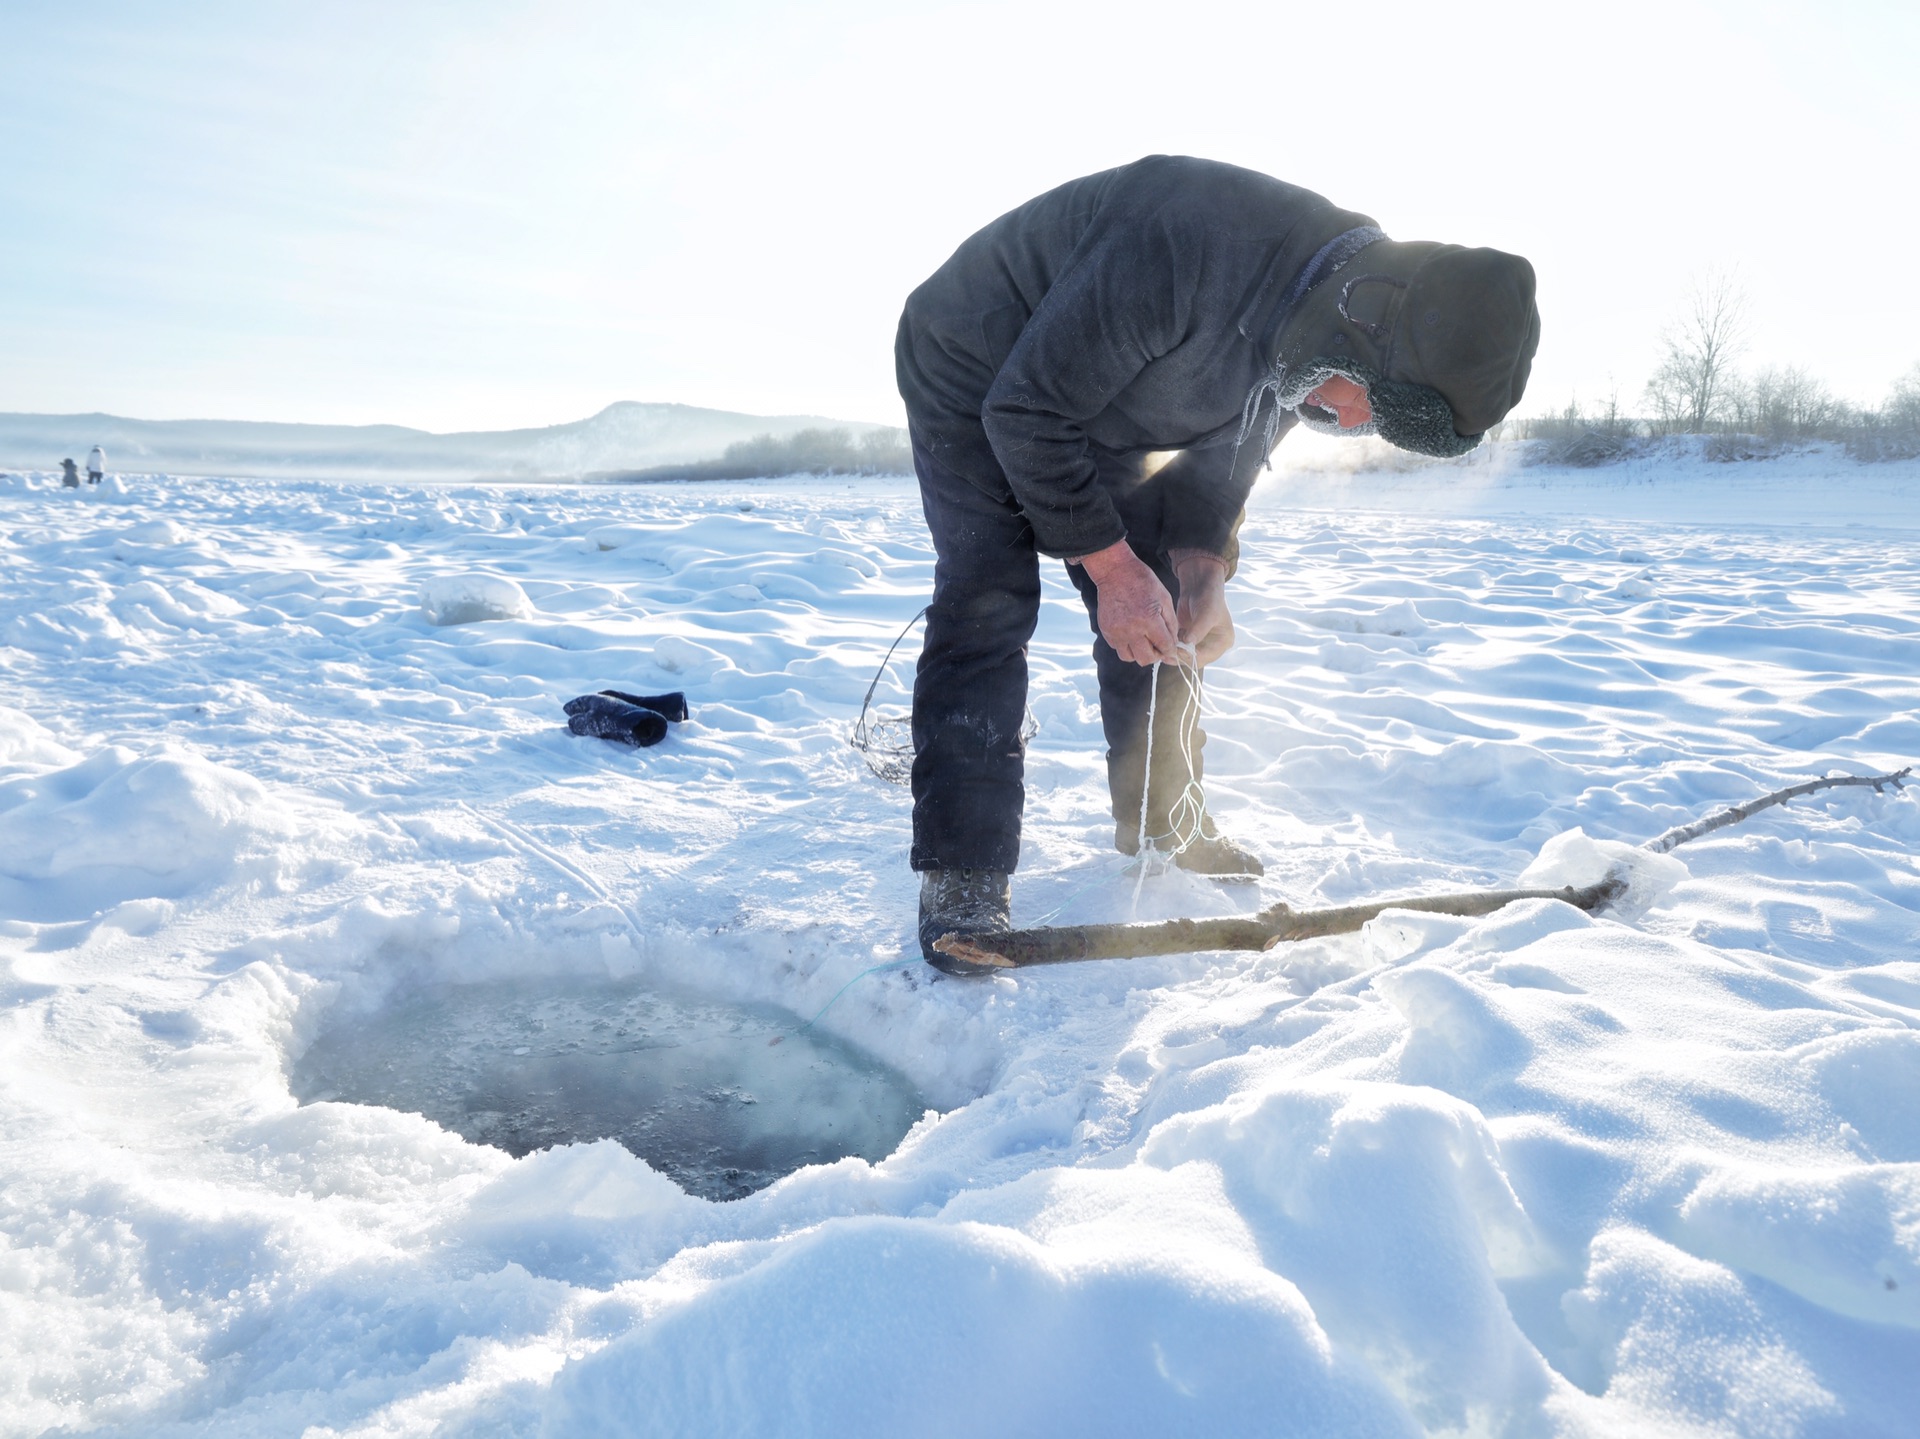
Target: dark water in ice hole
693,1086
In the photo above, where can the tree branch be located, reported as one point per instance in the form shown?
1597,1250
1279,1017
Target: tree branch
1281,924
1680,834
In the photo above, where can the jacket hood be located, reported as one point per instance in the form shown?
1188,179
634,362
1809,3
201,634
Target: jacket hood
1443,336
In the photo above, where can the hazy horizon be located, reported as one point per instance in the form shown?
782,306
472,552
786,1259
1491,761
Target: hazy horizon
401,424
505,216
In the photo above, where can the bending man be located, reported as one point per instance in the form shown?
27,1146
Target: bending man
1048,367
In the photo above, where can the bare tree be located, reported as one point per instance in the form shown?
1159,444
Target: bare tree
1903,405
1782,403
1688,389
885,452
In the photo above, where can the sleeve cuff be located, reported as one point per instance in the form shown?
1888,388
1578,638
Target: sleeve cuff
1069,536
1193,526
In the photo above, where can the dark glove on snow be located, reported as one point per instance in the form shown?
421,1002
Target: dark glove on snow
606,718
673,706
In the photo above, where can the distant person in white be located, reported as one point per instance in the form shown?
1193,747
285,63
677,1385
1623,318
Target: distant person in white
96,465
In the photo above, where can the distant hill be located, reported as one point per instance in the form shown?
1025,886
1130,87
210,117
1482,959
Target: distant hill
620,440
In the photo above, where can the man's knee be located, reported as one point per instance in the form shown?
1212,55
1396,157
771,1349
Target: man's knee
985,617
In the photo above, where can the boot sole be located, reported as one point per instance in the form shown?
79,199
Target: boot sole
958,968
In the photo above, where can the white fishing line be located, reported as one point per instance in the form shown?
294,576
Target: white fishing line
1187,815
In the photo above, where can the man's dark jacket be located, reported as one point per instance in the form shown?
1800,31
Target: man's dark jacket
1125,312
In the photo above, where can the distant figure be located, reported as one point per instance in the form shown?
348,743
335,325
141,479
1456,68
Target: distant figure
69,474
96,465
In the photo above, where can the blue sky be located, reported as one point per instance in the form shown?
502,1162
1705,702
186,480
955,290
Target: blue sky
480,214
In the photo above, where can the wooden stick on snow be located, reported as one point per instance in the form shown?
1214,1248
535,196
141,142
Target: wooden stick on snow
1680,834
1281,924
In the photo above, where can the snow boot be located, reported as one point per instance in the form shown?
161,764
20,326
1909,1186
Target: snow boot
962,901
605,718
1211,854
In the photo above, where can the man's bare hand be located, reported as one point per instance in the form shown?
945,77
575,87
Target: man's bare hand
1136,612
1204,621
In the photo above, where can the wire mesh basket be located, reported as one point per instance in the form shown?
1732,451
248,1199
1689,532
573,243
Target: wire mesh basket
884,737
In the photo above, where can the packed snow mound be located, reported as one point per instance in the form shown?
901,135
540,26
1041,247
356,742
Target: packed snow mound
881,1327
26,743
166,813
1341,1185
1575,858
470,599
1842,1238
120,825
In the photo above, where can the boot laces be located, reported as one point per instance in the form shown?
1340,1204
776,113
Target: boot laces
971,895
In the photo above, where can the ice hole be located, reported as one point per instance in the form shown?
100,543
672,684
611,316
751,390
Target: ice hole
696,1087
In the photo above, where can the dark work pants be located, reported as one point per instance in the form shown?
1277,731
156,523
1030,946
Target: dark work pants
970,690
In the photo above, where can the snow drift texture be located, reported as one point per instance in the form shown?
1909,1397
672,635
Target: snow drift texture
1539,1173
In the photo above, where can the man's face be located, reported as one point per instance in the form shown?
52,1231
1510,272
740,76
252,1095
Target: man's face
1344,399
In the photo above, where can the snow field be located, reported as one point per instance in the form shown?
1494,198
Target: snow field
1537,1173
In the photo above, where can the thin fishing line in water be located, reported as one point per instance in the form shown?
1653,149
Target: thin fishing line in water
876,969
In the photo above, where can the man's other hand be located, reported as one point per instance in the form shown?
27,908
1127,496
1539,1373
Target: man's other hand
1136,612
1204,621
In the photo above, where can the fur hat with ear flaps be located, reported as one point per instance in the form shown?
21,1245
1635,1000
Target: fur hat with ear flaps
1442,336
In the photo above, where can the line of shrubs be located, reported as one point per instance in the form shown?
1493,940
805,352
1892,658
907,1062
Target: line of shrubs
881,451
1751,415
